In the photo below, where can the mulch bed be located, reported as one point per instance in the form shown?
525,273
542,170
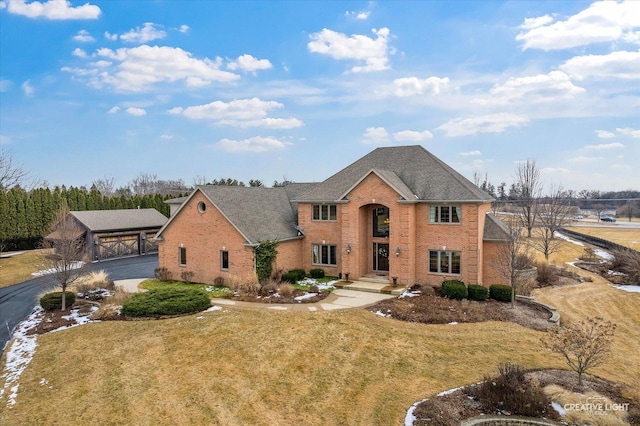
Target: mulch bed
450,408
430,308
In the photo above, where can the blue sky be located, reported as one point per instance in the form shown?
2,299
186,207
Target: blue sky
300,89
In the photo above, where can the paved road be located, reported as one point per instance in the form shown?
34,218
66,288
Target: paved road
17,301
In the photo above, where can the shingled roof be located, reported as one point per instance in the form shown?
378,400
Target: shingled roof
119,220
415,173
495,229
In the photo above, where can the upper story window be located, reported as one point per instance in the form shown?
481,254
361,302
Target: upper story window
325,212
381,222
445,214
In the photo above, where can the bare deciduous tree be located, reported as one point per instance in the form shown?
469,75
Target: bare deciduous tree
64,252
11,173
583,345
507,256
530,187
554,212
106,186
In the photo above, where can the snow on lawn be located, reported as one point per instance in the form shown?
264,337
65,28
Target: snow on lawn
305,296
408,293
564,237
74,265
19,355
629,288
321,286
598,252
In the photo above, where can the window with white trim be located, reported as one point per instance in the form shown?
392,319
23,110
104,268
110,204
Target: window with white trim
324,254
445,214
444,262
324,212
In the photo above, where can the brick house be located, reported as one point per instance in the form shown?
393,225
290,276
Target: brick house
397,212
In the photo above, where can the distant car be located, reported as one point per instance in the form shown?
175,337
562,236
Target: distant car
578,217
607,219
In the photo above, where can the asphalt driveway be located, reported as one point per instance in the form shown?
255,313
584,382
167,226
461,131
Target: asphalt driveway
17,301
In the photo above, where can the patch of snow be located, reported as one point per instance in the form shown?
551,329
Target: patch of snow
603,254
20,355
214,308
305,296
564,237
74,265
80,319
410,417
408,293
453,323
559,409
450,391
629,288
382,314
321,286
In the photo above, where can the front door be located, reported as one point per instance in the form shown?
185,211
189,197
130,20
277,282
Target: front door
380,257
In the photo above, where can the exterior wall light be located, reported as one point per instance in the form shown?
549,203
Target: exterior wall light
348,248
397,251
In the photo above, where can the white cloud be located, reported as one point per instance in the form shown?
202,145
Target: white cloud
248,63
184,28
373,52
239,113
602,21
412,136
114,110
615,65
80,53
109,36
493,123
254,144
148,32
605,146
470,153
628,131
584,159
52,9
604,134
139,68
84,37
362,15
531,23
138,112
549,87
375,136
27,88
410,86
166,136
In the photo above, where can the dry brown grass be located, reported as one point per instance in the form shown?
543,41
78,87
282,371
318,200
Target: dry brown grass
599,417
263,367
628,237
16,269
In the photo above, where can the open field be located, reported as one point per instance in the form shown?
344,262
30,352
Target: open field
628,237
16,269
262,367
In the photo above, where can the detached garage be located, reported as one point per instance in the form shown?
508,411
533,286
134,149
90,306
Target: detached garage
118,233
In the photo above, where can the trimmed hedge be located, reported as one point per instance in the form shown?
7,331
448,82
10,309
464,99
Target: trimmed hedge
166,301
53,301
294,275
454,289
500,292
478,292
316,273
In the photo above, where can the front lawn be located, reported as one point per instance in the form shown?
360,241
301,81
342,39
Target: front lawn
212,291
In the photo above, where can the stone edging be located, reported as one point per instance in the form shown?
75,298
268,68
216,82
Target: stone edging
506,421
555,316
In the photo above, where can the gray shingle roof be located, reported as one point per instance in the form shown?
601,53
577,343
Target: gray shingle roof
258,213
495,229
118,220
419,173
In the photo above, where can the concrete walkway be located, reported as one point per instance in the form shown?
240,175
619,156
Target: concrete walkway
338,299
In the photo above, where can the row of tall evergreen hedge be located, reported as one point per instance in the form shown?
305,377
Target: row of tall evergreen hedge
25,216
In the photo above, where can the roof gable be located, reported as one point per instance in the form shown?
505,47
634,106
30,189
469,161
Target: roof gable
388,177
495,229
257,213
422,175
